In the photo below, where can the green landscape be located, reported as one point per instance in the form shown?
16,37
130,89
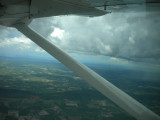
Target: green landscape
33,89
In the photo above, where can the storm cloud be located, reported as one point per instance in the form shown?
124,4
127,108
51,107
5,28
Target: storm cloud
133,36
122,35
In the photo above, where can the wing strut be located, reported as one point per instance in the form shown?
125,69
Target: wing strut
133,107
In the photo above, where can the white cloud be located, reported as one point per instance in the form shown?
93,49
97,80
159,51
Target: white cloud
20,42
57,33
39,50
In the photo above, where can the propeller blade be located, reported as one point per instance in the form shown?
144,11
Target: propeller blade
133,107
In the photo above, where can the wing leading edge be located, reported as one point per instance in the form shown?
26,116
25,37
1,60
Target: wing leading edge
41,8
17,11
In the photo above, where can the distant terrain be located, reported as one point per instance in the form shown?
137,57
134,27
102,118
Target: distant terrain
46,90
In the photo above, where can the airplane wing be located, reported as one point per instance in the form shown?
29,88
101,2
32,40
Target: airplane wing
41,8
12,11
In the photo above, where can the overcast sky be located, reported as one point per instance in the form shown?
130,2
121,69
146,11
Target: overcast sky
123,36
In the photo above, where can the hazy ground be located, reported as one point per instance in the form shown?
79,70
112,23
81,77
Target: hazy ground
46,90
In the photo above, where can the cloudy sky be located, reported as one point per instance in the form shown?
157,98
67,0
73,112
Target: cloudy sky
116,37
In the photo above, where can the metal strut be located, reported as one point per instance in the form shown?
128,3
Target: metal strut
123,100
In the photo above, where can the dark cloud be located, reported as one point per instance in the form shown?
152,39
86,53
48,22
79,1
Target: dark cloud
125,35
132,35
